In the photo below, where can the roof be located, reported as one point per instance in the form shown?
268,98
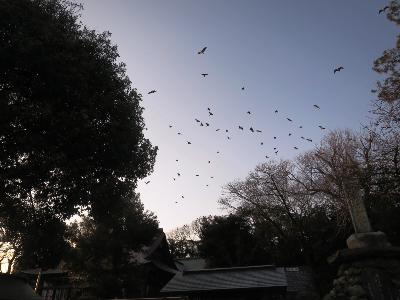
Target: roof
14,287
188,264
43,272
253,277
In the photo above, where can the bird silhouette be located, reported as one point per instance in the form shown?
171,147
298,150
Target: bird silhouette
302,137
290,134
170,126
300,126
179,174
183,197
226,130
274,137
176,160
249,112
240,127
173,178
211,176
316,106
217,152
208,109
321,127
176,202
310,140
210,113
189,143
204,74
262,143
251,129
209,161
242,88
151,92
383,9
258,130
296,148
207,124
276,111
202,50
197,120
201,124
266,156
228,137
147,182
276,152
197,175
206,184
337,69
217,129
179,133
290,120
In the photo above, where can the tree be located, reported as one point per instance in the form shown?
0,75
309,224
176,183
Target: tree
100,252
71,126
229,241
183,241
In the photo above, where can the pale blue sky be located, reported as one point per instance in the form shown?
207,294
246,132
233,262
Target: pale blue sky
283,52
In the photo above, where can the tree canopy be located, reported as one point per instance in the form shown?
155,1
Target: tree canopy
71,125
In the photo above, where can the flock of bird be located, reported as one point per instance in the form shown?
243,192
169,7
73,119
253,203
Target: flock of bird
240,127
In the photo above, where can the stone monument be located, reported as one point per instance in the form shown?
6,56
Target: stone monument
370,267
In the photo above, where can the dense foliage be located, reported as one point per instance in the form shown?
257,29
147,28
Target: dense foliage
70,126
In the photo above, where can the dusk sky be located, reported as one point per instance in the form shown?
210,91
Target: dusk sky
282,52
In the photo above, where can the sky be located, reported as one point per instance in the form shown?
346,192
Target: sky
282,52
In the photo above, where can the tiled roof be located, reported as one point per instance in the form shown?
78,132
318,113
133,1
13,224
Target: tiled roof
189,264
227,279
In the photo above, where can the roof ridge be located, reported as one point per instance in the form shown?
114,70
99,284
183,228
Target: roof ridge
232,268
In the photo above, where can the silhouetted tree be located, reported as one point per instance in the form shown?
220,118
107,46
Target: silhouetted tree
183,241
229,241
70,127
101,251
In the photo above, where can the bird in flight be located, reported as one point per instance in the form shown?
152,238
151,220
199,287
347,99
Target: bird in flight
147,182
383,9
251,129
217,152
179,174
170,126
276,152
262,143
208,109
321,127
316,106
300,126
258,130
217,129
290,120
204,74
197,120
242,88
249,112
183,197
179,133
303,137
151,92
209,161
290,134
310,140
228,137
266,156
176,160
197,175
276,111
189,143
201,124
202,50
296,148
240,127
337,69
212,177
274,137
226,130
210,113
207,124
